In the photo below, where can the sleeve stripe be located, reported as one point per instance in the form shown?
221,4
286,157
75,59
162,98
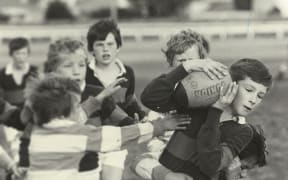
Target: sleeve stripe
111,138
58,143
146,130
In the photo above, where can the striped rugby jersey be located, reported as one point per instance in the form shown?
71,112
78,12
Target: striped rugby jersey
56,148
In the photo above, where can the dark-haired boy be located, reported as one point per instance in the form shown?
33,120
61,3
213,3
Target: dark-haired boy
14,75
200,151
13,79
104,42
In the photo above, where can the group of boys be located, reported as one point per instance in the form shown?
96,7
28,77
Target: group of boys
206,149
78,116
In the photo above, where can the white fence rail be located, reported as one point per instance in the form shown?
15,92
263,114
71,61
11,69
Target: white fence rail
151,31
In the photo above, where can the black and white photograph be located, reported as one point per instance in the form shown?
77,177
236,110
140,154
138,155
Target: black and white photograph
143,89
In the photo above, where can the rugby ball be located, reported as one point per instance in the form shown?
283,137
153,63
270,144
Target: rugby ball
198,90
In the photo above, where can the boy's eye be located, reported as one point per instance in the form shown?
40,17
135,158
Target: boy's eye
110,44
98,44
261,96
181,60
249,90
67,65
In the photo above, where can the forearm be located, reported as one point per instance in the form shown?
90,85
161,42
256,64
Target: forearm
208,143
118,117
158,94
6,161
91,105
11,116
133,106
103,140
215,155
102,106
209,134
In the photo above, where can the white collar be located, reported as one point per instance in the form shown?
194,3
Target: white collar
11,70
240,119
118,62
58,123
82,86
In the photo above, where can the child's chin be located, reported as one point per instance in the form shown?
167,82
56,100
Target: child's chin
243,113
20,63
78,81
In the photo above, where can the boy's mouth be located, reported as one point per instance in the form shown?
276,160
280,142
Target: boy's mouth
77,80
247,108
106,56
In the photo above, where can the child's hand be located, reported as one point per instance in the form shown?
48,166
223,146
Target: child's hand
212,68
176,121
178,176
233,171
226,98
18,172
111,89
136,118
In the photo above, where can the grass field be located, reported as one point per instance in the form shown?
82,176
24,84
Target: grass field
148,63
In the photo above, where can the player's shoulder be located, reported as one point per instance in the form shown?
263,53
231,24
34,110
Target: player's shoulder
2,70
128,68
234,128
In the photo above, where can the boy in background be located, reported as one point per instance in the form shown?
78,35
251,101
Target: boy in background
14,75
13,79
104,43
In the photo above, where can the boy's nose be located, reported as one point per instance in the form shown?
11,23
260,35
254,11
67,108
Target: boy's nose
76,70
253,99
105,47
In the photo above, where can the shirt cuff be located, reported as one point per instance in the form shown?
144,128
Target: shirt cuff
177,74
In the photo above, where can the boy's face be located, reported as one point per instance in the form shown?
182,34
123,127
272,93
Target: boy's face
73,66
105,52
20,56
190,54
250,94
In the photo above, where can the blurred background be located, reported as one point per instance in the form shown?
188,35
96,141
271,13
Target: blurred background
234,28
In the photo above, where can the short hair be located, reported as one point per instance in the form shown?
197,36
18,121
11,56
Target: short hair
56,51
18,43
253,69
205,44
100,30
52,97
182,41
256,147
